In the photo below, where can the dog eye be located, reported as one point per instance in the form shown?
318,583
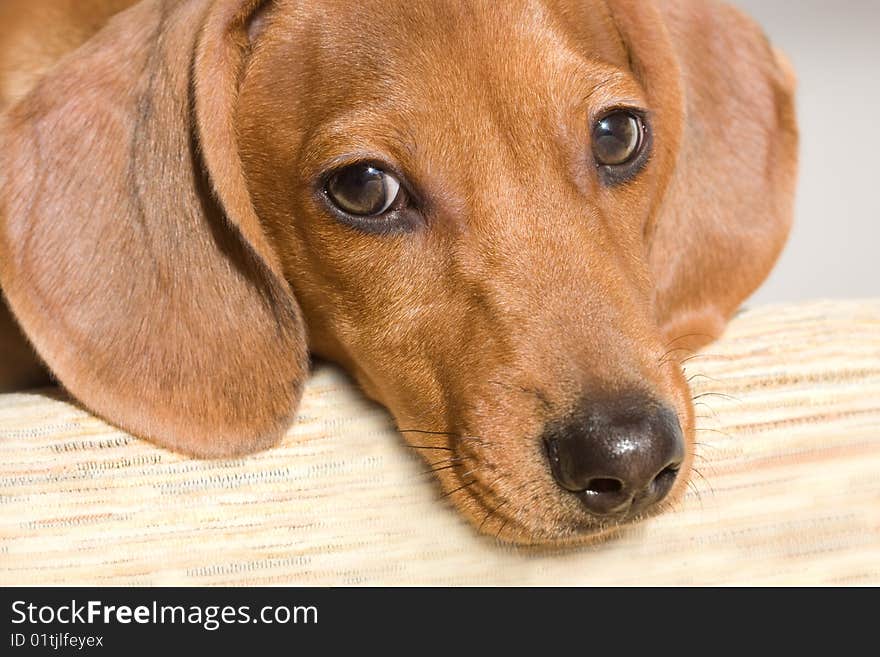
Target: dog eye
618,138
363,190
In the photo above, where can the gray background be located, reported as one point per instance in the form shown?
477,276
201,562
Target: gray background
835,48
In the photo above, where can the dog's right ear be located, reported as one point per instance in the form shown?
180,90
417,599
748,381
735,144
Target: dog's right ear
130,252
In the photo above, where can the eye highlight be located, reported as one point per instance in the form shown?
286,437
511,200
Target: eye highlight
363,190
620,140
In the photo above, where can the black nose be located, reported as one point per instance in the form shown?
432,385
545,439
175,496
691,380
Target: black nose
617,456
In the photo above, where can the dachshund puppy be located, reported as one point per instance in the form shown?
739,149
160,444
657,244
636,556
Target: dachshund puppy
505,219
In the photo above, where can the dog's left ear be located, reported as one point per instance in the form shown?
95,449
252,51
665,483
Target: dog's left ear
130,251
726,108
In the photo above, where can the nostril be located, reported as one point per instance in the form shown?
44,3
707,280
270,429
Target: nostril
601,485
664,480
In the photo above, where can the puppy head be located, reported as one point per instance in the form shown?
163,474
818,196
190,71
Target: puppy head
468,204
500,219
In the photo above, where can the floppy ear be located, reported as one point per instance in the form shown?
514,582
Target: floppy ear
129,249
727,209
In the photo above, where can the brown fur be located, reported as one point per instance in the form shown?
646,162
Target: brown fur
164,249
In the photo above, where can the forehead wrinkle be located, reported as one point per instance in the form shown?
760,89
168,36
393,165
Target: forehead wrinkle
481,90
449,55
453,109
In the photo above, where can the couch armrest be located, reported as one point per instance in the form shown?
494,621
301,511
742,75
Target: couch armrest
788,490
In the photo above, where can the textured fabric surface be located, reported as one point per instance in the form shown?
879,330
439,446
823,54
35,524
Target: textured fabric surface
788,490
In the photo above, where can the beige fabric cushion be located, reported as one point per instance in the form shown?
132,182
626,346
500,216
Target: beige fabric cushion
789,490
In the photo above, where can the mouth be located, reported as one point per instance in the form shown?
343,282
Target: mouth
532,513
523,493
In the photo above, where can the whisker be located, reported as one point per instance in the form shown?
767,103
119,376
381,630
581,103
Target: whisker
448,434
702,376
689,335
490,514
695,356
452,492
428,433
444,449
672,351
718,431
711,410
718,394
449,462
701,476
694,488
501,529
450,459
445,467
715,447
